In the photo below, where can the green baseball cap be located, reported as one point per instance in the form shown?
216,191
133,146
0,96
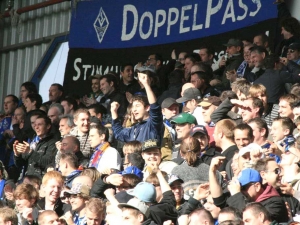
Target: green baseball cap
184,118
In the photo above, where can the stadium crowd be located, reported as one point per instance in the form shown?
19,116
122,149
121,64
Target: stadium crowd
193,141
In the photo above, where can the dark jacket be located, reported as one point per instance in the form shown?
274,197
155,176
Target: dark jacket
39,159
269,199
232,63
224,112
209,154
251,77
132,88
60,208
99,187
165,209
26,132
151,128
163,72
209,91
173,91
228,153
115,96
274,80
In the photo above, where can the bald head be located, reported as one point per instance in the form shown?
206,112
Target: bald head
83,180
48,217
70,143
186,86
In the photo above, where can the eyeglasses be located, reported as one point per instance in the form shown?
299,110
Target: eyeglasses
276,171
75,196
290,51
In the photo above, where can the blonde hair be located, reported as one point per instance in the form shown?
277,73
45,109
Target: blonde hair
256,89
91,172
80,110
8,214
26,191
190,150
52,175
132,147
226,126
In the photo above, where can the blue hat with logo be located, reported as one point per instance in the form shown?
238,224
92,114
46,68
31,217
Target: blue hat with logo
133,170
249,176
144,191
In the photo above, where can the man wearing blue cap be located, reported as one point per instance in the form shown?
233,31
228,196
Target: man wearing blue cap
248,188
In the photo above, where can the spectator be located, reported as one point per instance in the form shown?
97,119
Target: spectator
127,83
48,217
145,111
95,210
293,53
40,152
191,98
260,132
262,40
81,131
104,157
243,135
66,123
96,94
279,77
209,105
258,54
26,197
68,166
32,104
190,60
170,108
27,88
286,103
281,128
134,212
256,213
201,82
8,216
192,171
108,86
52,184
56,94
70,105
98,111
290,31
199,216
207,151
78,195
230,214
224,138
232,60
184,122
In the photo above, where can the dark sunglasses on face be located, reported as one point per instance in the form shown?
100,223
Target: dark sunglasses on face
291,51
276,171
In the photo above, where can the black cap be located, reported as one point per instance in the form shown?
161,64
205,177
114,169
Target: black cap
198,129
168,102
294,46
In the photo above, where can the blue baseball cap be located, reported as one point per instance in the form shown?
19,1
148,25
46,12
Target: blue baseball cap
144,191
133,170
249,176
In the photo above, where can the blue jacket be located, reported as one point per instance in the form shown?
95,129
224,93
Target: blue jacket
151,128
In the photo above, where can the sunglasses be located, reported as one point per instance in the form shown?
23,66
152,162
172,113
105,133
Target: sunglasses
291,51
276,171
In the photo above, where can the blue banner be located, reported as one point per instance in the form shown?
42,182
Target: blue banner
107,24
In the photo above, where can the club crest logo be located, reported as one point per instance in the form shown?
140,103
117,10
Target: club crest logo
101,24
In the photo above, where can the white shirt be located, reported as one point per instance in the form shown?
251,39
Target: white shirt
198,115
